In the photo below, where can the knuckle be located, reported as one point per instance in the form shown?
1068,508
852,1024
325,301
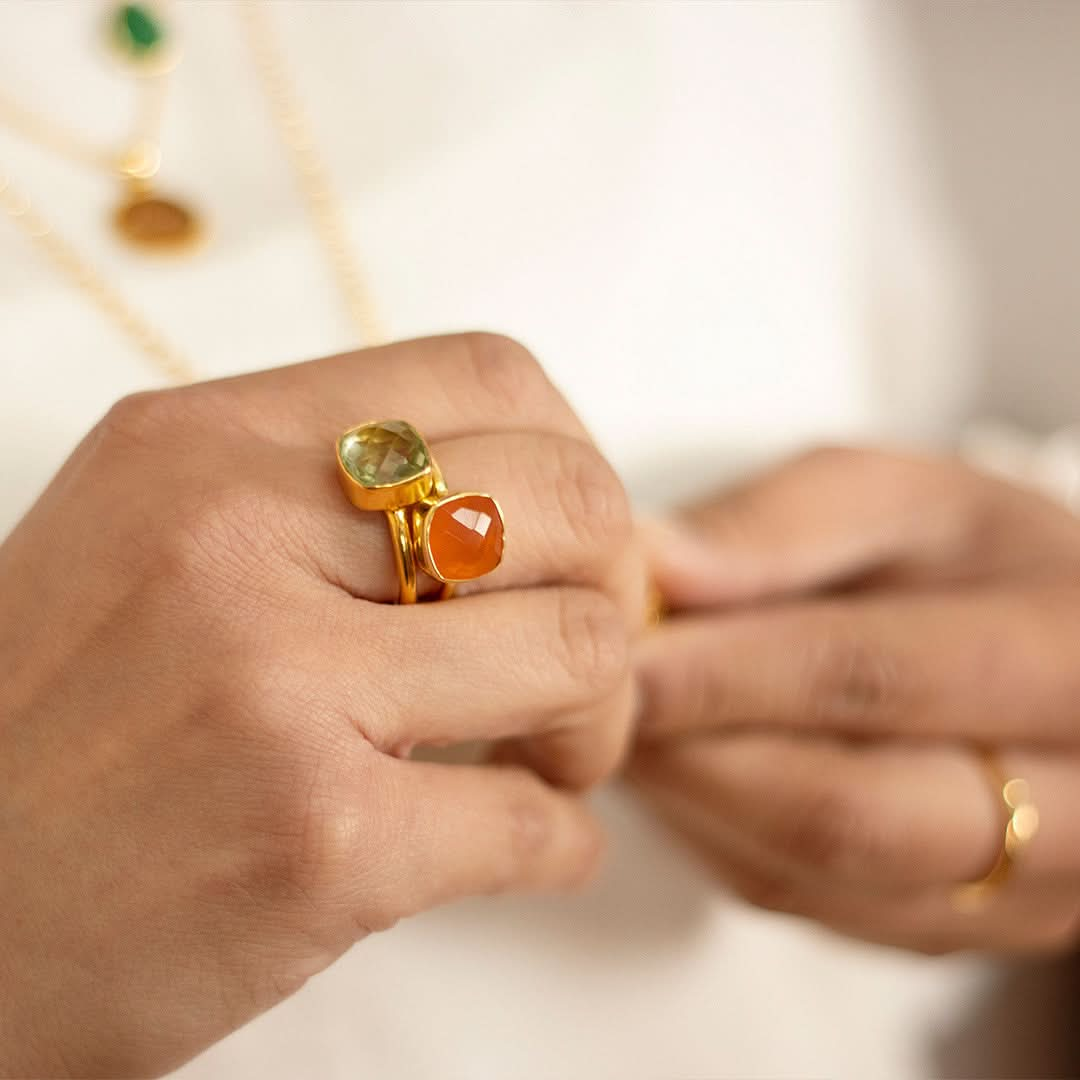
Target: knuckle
505,370
837,830
591,498
582,756
312,829
138,419
530,833
849,677
532,838
591,640
151,418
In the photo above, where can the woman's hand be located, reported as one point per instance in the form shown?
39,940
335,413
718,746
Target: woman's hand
200,706
846,631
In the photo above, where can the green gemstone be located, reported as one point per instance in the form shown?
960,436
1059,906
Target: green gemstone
378,455
137,30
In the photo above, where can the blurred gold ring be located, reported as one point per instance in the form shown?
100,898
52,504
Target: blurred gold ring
655,606
387,465
1020,820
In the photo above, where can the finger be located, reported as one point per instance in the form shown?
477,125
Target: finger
972,664
1021,917
481,667
462,830
585,747
444,386
566,514
886,817
835,516
1024,921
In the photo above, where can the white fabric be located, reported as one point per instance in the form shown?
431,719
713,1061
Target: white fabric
708,220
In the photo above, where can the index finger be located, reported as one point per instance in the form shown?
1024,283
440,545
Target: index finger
975,664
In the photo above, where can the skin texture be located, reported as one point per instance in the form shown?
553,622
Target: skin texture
203,703
845,630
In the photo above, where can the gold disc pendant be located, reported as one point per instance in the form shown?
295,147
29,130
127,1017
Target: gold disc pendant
156,224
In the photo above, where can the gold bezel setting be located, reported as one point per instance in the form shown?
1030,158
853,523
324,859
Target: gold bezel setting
392,496
422,519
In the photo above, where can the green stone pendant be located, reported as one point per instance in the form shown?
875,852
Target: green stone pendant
138,35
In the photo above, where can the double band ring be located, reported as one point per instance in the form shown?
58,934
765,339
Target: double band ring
451,536
1020,821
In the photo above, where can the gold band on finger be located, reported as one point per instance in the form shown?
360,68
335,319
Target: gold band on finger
1020,820
404,561
452,536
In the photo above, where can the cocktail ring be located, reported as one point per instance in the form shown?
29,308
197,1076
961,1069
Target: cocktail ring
452,536
1020,821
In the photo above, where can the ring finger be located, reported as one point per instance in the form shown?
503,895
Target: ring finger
881,815
1024,917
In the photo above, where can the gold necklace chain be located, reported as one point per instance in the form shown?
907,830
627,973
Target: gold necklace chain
312,178
116,160
131,158
312,175
161,353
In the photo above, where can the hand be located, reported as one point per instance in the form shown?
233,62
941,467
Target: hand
200,805
846,629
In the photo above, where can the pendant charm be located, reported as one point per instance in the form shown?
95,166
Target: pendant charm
138,37
156,224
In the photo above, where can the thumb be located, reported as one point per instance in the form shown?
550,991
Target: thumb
818,521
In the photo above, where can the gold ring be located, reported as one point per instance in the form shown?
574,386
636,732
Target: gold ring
452,536
1020,820
656,610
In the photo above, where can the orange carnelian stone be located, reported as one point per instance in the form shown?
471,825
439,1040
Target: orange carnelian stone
465,537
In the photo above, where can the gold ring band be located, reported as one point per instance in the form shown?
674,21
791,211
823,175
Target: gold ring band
1020,821
452,536
404,560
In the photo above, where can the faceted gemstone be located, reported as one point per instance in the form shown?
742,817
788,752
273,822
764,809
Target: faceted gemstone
465,537
137,29
379,455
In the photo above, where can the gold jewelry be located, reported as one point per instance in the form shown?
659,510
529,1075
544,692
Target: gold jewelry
312,175
313,178
453,536
404,559
1020,818
140,39
655,606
